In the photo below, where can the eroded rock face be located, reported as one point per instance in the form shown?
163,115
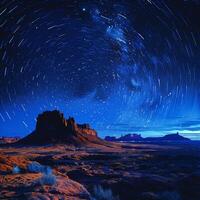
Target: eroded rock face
54,121
7,163
50,121
52,127
28,186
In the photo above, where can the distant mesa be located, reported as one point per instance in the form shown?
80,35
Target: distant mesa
111,138
138,138
170,137
8,140
125,138
52,127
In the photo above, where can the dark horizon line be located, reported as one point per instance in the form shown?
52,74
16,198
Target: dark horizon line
151,136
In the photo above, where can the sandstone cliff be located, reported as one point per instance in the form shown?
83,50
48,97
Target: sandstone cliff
52,127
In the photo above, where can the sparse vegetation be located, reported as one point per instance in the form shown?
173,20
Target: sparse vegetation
170,195
103,194
37,167
47,179
16,170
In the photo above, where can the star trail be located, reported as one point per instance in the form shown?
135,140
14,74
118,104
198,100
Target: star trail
122,66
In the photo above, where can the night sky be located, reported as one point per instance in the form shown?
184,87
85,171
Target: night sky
129,66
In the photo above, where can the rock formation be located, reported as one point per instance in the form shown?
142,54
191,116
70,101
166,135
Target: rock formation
8,140
131,137
125,138
176,137
138,138
52,127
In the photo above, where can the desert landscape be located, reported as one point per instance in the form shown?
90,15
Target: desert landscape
99,100
79,165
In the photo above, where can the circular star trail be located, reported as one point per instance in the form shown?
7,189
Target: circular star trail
123,66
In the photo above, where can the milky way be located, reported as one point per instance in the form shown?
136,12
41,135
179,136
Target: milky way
123,66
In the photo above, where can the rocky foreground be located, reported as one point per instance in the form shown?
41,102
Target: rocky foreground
121,171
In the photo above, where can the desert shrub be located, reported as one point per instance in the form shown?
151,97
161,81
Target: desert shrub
47,179
16,170
169,195
37,167
103,194
47,176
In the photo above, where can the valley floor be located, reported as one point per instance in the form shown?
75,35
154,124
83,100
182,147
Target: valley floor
116,171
